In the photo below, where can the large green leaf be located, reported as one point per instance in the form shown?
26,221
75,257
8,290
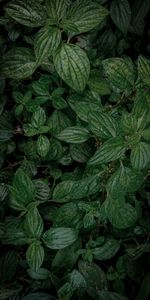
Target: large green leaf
74,135
140,155
59,238
72,65
102,124
86,14
46,42
35,255
33,223
18,63
120,72
120,12
56,10
144,69
28,12
112,149
106,251
78,189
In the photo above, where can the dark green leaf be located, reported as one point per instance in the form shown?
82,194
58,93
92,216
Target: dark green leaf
120,12
59,238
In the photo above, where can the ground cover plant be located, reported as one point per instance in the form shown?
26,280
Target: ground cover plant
75,152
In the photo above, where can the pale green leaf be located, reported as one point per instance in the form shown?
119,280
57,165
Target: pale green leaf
33,223
43,145
74,134
35,256
102,124
144,69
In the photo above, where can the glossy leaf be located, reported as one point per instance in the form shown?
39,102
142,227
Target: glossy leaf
74,135
112,149
72,65
46,42
56,10
38,118
59,238
18,63
120,12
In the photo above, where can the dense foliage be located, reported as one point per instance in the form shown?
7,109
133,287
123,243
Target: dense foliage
75,151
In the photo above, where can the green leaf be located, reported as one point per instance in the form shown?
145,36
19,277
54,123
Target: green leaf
28,13
124,180
120,13
106,295
56,10
112,149
72,65
75,135
35,256
106,251
94,276
86,14
18,63
122,215
120,72
40,274
33,223
82,108
140,156
67,257
42,190
68,215
38,118
80,152
146,134
58,121
59,238
39,296
46,42
102,124
43,145
23,191
144,69
78,189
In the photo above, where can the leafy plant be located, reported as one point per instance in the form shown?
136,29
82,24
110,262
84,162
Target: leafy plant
75,149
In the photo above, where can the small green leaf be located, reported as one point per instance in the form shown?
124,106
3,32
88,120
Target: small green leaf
46,42
112,149
120,12
59,238
35,256
86,14
43,145
18,63
144,69
106,251
33,223
28,13
120,72
38,118
140,156
75,135
72,65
